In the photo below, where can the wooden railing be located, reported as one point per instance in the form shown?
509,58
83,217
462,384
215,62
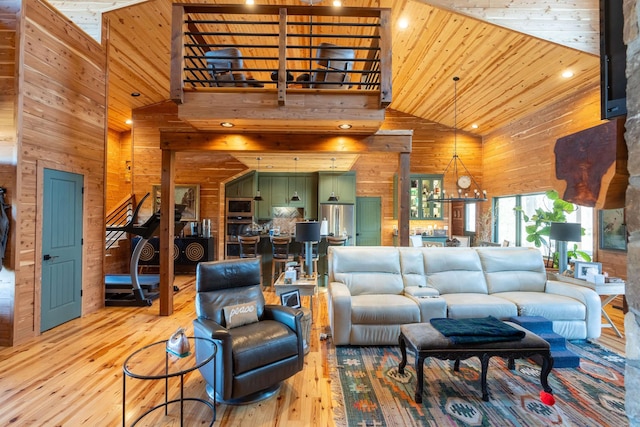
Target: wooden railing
120,215
278,48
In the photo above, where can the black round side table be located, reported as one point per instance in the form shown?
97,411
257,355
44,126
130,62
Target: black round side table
153,362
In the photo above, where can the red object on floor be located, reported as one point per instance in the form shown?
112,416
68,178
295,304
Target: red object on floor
547,398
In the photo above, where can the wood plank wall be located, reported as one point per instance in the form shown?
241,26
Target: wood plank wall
432,146
8,149
62,120
520,159
118,180
507,167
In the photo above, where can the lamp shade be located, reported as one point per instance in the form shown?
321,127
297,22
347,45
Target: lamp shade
566,231
308,231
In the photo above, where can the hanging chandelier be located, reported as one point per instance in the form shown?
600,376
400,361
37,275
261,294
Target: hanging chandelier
467,189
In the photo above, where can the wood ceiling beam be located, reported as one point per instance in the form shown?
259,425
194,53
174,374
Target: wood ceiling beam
395,141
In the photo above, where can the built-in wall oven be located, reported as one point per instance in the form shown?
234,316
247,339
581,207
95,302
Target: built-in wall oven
239,218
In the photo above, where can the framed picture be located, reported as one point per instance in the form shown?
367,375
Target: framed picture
613,230
185,194
291,299
582,268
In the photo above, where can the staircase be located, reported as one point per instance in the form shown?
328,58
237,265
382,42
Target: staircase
541,326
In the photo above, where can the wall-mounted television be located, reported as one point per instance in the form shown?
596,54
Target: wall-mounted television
613,60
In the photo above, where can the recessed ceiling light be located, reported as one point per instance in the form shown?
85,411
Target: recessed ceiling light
249,2
135,94
226,124
345,126
129,121
337,3
567,74
474,126
403,23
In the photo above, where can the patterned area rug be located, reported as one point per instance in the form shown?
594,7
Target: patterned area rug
374,394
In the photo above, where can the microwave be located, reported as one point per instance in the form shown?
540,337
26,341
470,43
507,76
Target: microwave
240,207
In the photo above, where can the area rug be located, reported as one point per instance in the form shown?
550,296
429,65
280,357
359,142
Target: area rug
373,393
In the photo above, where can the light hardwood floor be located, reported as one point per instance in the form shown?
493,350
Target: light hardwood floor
72,375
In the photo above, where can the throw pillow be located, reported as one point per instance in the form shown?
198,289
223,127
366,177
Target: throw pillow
240,314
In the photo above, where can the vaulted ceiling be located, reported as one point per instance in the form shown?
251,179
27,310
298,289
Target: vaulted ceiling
509,55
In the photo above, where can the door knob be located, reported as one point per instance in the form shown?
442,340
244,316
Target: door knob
48,257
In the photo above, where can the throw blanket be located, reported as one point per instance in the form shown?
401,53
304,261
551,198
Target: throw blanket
477,331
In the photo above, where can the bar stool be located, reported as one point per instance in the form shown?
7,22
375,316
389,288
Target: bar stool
281,256
248,246
336,241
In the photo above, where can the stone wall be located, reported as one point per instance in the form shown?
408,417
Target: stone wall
632,136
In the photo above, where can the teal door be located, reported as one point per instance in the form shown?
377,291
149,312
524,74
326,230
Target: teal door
61,248
368,224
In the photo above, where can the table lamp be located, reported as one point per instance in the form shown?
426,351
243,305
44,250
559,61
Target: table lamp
308,232
563,232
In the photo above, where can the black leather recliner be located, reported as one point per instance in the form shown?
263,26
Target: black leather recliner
251,360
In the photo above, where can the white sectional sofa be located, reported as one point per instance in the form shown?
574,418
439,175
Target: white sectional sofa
375,290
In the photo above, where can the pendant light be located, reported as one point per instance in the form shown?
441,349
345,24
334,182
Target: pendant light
332,196
258,197
295,197
464,181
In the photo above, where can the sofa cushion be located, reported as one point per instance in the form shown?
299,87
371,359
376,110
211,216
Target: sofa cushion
513,269
367,270
551,306
383,310
465,305
454,270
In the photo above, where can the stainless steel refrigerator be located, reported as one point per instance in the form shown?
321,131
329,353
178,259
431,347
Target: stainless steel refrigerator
339,219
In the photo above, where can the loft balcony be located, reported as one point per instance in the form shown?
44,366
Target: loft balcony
281,68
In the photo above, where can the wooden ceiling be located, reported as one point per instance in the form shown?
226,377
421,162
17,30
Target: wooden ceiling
506,72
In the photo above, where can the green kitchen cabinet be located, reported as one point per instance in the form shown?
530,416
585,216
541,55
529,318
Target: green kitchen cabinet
420,187
277,189
241,187
343,184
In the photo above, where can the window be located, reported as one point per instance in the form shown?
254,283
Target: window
510,223
469,218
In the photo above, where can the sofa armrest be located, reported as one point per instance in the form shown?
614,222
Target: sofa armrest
431,306
586,296
339,312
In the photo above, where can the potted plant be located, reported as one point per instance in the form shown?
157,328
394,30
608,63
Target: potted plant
538,225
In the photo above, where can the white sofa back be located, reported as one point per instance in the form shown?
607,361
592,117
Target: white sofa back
513,269
367,270
486,270
454,270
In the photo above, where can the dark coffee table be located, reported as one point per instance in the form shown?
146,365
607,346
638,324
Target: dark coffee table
426,341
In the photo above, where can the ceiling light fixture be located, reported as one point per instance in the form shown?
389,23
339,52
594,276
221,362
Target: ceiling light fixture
474,126
135,94
345,126
258,197
332,196
227,124
337,3
249,2
295,197
567,74
403,23
128,122
465,181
